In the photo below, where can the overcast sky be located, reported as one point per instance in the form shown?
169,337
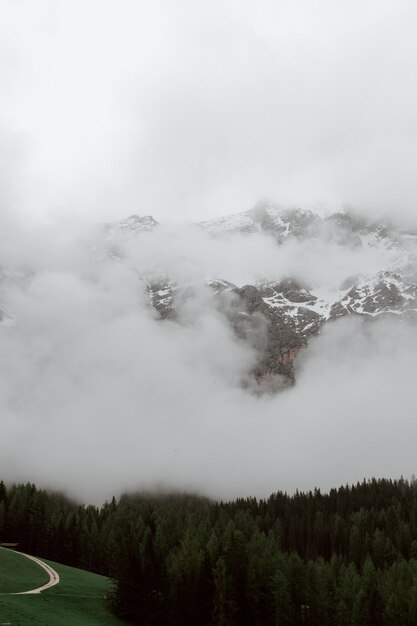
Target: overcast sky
190,109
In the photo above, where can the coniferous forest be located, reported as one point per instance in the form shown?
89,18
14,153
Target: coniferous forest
347,557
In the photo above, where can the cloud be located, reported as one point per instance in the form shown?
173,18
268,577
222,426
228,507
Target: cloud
187,111
187,254
97,395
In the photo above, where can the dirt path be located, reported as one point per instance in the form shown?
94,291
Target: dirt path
53,576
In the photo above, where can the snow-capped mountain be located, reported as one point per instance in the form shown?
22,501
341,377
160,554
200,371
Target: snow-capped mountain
343,227
278,316
137,223
116,233
265,217
134,223
291,311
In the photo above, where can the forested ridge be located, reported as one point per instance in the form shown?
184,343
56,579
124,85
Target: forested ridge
347,557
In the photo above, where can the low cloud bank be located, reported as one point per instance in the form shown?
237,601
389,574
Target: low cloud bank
97,395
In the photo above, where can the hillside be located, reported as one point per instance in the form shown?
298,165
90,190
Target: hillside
78,599
18,573
349,556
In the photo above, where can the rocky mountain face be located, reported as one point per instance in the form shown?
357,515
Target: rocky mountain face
134,223
290,312
277,318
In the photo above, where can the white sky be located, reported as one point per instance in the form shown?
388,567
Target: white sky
191,109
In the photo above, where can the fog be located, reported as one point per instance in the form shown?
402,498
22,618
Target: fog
98,395
186,110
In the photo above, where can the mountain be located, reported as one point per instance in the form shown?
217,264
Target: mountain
292,311
386,292
116,233
277,316
134,223
267,218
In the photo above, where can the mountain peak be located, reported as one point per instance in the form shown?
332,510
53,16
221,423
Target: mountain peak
136,222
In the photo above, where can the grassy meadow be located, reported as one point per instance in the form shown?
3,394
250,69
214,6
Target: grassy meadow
78,600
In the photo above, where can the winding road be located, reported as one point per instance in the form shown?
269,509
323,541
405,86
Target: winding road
53,576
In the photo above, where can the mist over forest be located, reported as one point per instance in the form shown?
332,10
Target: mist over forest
208,312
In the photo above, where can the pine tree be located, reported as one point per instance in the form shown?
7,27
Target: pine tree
224,605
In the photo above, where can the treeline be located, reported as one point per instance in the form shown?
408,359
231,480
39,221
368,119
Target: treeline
348,557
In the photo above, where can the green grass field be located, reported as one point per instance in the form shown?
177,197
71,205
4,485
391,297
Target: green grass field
78,600
17,573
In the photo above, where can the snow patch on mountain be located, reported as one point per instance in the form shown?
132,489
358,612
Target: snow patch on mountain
138,223
236,223
386,292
